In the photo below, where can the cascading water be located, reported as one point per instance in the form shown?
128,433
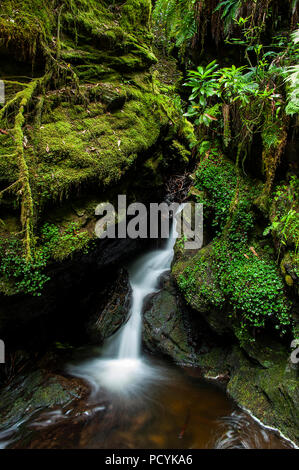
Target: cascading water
144,277
121,364
142,403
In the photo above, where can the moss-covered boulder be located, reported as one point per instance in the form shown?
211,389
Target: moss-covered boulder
41,389
197,279
271,392
235,293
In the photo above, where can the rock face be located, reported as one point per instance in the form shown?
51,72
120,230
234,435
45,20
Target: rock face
76,292
259,374
168,327
265,383
259,377
163,326
111,316
30,391
95,112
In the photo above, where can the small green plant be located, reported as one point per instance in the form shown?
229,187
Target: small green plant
293,81
204,85
177,18
64,243
217,178
253,286
19,275
285,219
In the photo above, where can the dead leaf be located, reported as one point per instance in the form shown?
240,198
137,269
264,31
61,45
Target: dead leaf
253,251
211,117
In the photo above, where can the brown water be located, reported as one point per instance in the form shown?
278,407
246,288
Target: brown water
171,409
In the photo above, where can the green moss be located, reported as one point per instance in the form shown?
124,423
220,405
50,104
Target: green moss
66,242
18,275
216,178
269,393
136,14
39,390
76,130
234,282
198,281
215,278
26,24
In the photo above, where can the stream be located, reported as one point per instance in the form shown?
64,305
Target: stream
137,401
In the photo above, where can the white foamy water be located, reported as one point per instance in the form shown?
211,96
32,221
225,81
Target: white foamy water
121,367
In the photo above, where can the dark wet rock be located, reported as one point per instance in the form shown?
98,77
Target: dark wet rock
33,391
77,289
262,380
113,311
113,100
271,393
165,326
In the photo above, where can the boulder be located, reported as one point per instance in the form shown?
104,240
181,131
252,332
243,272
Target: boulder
166,328
112,313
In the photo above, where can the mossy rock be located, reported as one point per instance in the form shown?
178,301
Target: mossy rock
94,109
271,393
39,389
196,279
289,267
164,327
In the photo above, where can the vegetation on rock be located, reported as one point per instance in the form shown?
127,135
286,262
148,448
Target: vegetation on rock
89,107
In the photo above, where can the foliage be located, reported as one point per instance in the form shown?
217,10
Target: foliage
65,243
293,82
24,276
284,214
248,289
263,297
230,10
234,273
188,22
254,95
217,178
19,275
177,17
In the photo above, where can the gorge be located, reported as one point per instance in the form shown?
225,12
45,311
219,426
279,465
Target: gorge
137,343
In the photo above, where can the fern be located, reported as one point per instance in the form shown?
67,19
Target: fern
293,82
230,10
177,17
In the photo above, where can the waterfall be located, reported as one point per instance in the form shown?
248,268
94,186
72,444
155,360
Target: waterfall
144,278
121,363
